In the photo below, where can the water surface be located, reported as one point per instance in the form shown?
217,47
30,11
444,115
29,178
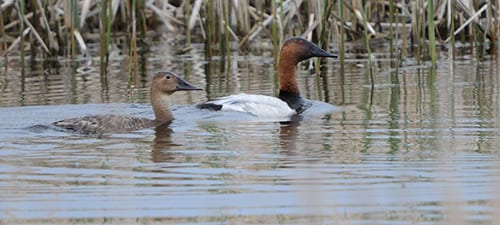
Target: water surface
420,146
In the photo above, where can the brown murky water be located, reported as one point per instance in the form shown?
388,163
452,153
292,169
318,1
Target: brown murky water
420,147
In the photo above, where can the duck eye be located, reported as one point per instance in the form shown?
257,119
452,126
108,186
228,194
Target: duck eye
168,77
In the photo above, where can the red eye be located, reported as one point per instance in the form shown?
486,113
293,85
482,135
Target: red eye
301,42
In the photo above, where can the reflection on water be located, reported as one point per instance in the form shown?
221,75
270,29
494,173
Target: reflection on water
421,147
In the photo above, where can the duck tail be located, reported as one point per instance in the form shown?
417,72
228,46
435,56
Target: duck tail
209,106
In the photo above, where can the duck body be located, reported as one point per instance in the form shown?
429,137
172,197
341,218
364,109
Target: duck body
289,101
256,105
164,84
99,124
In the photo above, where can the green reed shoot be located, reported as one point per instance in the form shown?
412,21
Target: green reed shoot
20,7
132,65
3,46
225,23
211,26
403,31
430,26
106,16
73,23
341,36
391,28
187,18
324,34
274,33
451,31
368,48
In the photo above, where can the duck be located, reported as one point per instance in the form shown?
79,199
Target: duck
164,84
289,102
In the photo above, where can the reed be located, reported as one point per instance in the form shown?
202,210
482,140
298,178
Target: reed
391,27
38,26
3,46
20,8
275,36
404,35
210,29
341,36
187,20
132,65
105,33
368,49
430,26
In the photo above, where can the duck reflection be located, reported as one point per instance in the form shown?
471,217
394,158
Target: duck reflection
161,143
288,137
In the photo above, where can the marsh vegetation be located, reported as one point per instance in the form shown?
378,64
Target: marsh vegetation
43,29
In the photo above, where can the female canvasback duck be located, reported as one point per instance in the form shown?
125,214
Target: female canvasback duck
289,102
164,84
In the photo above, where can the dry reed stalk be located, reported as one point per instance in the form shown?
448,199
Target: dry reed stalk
84,12
257,28
470,20
195,13
355,9
164,16
6,3
243,15
35,33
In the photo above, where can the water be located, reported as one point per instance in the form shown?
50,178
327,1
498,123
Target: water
420,147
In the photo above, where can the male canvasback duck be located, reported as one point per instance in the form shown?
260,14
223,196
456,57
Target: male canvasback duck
289,102
164,84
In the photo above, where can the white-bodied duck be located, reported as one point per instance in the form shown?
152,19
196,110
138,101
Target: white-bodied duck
289,101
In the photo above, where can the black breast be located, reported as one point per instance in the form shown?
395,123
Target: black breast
294,100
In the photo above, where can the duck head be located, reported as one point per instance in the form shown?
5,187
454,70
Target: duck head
297,49
168,82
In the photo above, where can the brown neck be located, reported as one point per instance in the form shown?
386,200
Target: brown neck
159,102
286,72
